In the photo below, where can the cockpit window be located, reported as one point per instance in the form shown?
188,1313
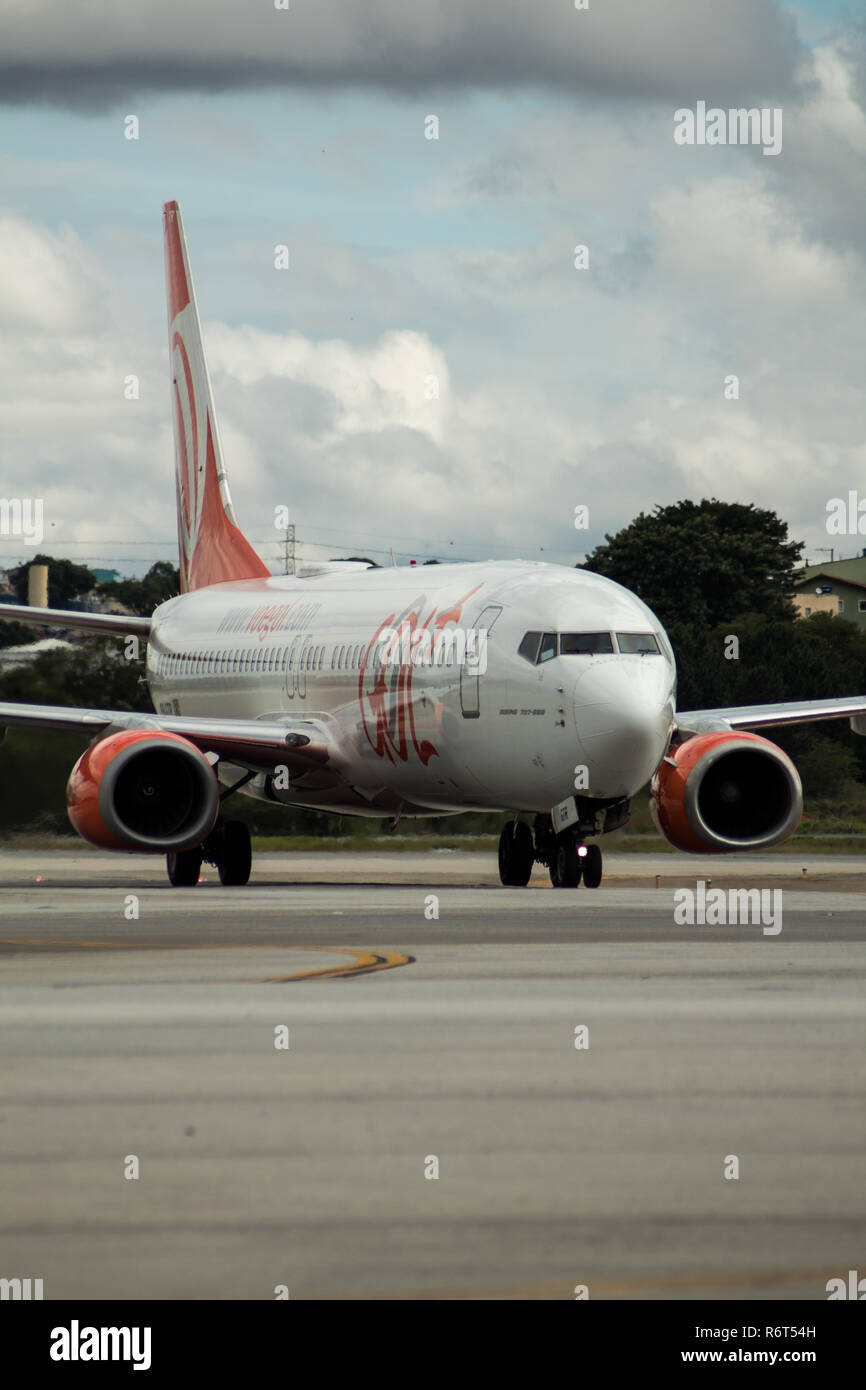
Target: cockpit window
537,647
528,648
637,642
584,643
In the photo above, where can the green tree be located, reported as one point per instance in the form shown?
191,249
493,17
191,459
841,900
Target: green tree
703,563
36,764
715,570
16,635
93,675
812,659
67,581
161,582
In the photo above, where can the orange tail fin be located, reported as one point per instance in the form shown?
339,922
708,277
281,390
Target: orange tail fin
211,545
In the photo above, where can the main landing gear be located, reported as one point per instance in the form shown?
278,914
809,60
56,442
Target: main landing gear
516,854
569,860
227,847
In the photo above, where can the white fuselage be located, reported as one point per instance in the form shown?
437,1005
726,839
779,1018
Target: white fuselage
419,735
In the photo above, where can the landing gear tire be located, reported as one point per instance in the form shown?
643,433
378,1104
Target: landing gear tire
592,866
566,867
516,854
184,868
235,857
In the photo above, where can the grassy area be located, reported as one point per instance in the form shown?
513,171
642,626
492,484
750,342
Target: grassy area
379,844
800,844
797,845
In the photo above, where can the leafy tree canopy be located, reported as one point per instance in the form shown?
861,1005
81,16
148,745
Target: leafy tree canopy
67,581
703,563
161,582
93,675
16,635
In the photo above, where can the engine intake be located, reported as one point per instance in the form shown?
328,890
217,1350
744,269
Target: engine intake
143,790
726,791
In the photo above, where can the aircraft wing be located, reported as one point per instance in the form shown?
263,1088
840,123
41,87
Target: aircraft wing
703,721
61,617
255,743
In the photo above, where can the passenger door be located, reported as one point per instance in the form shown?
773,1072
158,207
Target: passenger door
470,671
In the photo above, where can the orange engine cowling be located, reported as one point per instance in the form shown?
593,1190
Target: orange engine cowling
143,790
725,791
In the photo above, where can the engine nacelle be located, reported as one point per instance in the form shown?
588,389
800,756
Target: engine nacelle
143,790
726,791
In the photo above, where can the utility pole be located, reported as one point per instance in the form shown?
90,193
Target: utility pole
290,550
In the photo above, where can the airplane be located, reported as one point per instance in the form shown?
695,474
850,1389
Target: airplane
400,692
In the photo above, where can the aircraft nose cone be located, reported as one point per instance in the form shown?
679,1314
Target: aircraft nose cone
623,710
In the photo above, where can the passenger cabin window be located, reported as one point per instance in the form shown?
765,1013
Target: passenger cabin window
584,643
640,643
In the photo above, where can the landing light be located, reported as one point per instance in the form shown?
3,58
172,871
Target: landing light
582,851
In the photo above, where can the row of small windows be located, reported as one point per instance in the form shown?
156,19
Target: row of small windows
861,607
263,661
538,647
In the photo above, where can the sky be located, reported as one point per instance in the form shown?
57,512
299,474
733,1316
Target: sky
605,387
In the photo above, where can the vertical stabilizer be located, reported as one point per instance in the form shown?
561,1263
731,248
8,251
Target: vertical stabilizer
211,545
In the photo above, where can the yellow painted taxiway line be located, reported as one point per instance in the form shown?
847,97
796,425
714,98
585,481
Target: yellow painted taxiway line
365,963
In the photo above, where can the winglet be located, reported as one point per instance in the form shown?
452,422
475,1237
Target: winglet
211,545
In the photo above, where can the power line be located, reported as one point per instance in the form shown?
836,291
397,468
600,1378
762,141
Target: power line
313,536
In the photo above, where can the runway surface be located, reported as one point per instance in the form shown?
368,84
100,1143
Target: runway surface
139,1021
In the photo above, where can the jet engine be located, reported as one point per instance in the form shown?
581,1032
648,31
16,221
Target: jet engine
143,790
725,791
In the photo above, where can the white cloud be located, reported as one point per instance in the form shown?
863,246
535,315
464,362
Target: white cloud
731,232
371,388
48,281
557,387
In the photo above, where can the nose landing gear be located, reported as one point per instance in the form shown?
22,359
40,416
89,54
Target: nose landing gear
592,866
575,862
566,866
569,860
